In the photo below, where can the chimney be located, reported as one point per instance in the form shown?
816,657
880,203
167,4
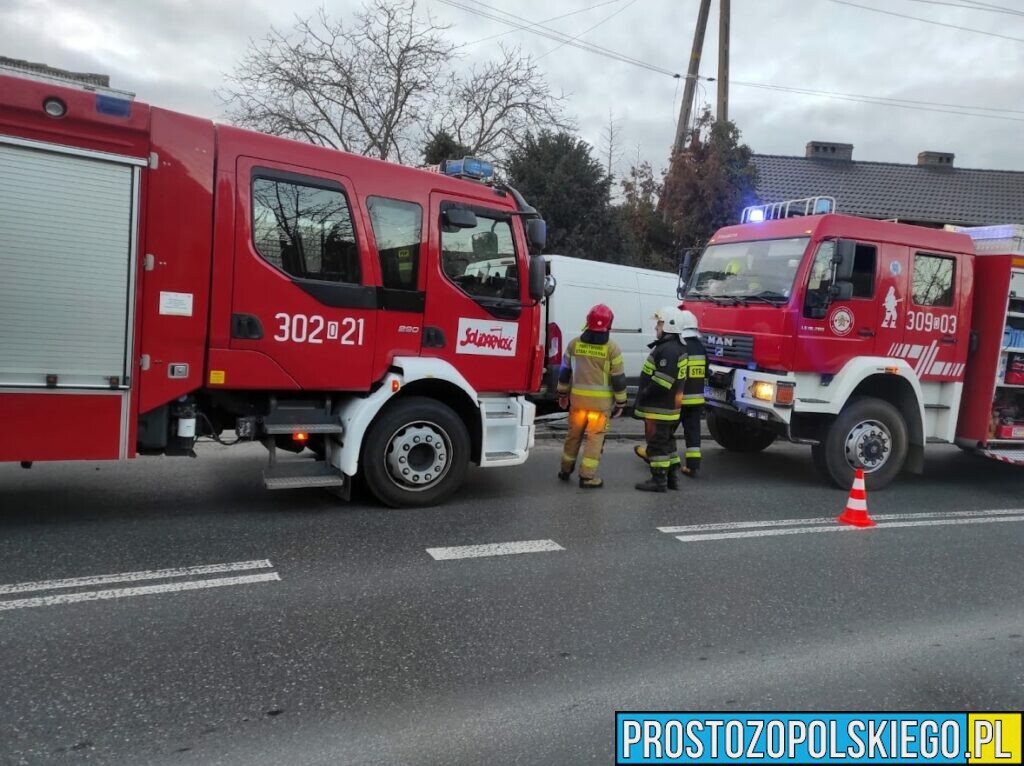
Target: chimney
826,150
935,159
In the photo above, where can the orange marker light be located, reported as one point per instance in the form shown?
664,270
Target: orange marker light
300,436
395,385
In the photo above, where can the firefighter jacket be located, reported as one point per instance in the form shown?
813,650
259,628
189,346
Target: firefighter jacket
696,370
593,373
662,380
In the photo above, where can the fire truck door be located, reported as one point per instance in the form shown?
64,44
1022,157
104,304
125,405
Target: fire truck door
477,315
834,331
935,328
304,283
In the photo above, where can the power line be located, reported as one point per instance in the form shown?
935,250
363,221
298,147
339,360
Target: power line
973,7
547,21
991,7
587,31
928,21
561,38
877,101
901,103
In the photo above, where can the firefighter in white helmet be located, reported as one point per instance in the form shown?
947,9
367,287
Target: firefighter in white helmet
692,409
693,390
659,398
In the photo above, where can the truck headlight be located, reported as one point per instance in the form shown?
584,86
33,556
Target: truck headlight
763,390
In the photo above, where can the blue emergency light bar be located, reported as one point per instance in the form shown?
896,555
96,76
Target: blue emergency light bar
792,208
469,167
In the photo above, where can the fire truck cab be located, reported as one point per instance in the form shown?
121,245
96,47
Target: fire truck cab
166,278
866,339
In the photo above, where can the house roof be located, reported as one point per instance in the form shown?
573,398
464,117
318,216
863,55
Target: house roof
924,194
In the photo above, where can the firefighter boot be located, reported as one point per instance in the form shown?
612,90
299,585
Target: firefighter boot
563,475
591,482
672,479
657,483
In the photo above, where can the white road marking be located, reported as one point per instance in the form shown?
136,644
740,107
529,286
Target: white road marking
494,549
148,574
142,590
845,528
881,517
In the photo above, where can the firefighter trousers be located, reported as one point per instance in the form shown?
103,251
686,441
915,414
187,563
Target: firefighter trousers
690,419
587,426
661,444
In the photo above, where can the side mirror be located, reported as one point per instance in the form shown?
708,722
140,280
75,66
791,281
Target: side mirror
550,283
686,266
538,277
843,260
459,218
841,291
536,233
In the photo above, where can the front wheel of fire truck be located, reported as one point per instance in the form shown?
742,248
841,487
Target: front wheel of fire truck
870,434
416,453
738,437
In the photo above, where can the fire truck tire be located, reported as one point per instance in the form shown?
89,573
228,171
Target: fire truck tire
416,453
738,437
869,433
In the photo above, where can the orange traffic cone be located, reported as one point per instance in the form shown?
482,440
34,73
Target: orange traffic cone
856,513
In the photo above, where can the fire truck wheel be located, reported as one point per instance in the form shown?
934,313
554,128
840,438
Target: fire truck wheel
416,453
738,437
870,434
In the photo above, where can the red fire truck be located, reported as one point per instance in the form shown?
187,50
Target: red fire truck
867,340
164,278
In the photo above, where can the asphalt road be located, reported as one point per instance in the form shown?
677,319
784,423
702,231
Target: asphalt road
343,641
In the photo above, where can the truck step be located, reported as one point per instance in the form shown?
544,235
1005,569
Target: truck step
305,419
306,473
501,455
309,428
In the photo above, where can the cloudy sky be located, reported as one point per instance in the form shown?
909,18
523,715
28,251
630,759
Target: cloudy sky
174,53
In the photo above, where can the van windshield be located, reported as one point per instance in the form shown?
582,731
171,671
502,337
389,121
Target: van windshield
762,269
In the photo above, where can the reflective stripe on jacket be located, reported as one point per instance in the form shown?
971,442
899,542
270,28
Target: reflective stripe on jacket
662,377
593,374
696,371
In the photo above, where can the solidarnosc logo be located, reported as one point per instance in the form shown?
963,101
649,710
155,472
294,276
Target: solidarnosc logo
486,338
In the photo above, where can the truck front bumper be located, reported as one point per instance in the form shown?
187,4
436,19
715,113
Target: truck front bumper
751,396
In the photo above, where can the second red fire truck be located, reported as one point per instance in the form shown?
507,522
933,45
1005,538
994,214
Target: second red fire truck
868,340
164,278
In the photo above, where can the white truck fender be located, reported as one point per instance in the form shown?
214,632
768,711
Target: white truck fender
815,398
357,414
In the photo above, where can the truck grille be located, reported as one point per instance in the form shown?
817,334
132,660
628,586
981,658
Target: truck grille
729,349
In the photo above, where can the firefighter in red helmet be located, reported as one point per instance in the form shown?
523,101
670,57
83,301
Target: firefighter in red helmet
592,384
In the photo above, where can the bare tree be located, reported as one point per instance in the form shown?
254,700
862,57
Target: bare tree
610,147
493,107
383,85
365,88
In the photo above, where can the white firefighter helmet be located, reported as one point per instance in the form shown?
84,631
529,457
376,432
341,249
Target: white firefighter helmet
687,323
680,322
662,314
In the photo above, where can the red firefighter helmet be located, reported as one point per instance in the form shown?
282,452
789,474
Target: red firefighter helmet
599,318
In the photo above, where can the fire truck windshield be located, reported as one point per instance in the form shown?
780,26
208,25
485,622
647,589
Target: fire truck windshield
761,270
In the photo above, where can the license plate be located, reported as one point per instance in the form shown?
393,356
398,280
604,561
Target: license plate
718,394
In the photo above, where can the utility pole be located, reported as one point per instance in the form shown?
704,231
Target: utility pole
723,61
683,126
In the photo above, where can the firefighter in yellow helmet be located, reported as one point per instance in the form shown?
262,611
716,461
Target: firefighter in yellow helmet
592,384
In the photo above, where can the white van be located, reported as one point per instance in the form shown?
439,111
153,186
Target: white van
632,294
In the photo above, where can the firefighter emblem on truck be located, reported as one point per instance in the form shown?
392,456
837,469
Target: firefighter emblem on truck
891,303
841,321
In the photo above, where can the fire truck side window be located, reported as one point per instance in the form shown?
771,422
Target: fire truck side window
933,280
864,271
397,227
482,260
305,231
